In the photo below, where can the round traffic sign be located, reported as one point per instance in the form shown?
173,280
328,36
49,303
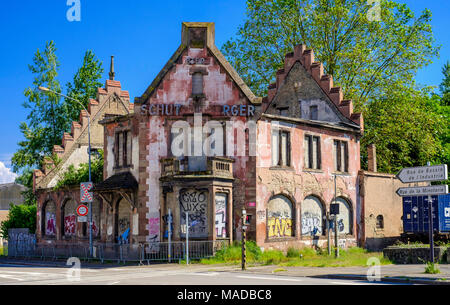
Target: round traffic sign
82,210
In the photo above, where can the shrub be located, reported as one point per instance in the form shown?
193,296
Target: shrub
19,216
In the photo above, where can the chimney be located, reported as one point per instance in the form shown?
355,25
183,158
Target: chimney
372,155
112,74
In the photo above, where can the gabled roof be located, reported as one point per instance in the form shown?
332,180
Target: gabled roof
305,57
214,51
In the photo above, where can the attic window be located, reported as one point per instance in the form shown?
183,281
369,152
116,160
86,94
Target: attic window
197,37
197,84
313,113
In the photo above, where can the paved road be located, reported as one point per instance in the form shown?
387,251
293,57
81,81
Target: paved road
153,275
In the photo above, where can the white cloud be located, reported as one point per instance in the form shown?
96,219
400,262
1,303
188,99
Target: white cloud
6,175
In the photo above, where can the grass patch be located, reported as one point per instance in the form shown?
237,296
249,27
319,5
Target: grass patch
279,270
306,257
3,251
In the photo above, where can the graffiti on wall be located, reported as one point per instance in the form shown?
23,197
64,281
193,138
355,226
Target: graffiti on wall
166,220
279,227
279,217
70,224
221,215
50,221
195,202
311,223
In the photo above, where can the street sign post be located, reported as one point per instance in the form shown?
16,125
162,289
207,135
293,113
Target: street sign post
423,190
425,174
85,195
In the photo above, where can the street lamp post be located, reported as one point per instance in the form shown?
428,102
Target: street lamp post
44,89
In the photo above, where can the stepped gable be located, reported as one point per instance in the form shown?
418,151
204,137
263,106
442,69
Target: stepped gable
96,110
315,69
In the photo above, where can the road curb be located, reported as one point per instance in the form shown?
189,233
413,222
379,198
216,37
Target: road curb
394,279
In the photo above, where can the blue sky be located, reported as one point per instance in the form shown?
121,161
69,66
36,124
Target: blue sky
141,34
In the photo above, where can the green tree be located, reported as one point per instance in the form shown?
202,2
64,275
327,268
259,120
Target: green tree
84,86
365,57
404,128
445,85
19,216
47,116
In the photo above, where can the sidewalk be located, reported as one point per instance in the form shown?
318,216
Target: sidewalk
389,273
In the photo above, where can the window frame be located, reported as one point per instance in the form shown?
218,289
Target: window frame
309,145
337,156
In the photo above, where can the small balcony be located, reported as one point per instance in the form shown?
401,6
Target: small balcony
195,167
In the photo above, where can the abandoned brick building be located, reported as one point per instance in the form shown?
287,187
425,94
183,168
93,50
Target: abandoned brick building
199,141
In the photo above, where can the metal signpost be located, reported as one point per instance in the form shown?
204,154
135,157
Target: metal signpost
88,197
425,174
187,238
244,237
169,233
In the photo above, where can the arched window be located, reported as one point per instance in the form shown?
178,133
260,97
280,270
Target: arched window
69,218
312,217
345,217
49,219
380,222
280,217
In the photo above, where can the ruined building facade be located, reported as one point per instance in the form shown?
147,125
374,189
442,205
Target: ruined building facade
283,158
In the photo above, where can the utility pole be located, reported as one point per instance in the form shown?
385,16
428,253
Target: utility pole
244,237
187,238
336,241
328,232
431,229
169,233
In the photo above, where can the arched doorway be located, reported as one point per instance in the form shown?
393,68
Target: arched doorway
69,218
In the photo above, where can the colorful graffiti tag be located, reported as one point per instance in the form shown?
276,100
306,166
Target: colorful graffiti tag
279,217
279,227
70,224
50,227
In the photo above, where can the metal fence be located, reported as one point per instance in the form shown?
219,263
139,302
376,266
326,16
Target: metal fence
120,253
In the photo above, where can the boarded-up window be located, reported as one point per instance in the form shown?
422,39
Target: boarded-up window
195,203
312,217
69,218
312,152
49,225
280,217
122,149
221,223
281,148
340,156
344,218
123,218
313,112
197,83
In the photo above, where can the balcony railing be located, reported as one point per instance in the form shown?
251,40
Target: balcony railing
206,166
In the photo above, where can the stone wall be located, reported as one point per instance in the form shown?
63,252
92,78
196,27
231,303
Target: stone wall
416,255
